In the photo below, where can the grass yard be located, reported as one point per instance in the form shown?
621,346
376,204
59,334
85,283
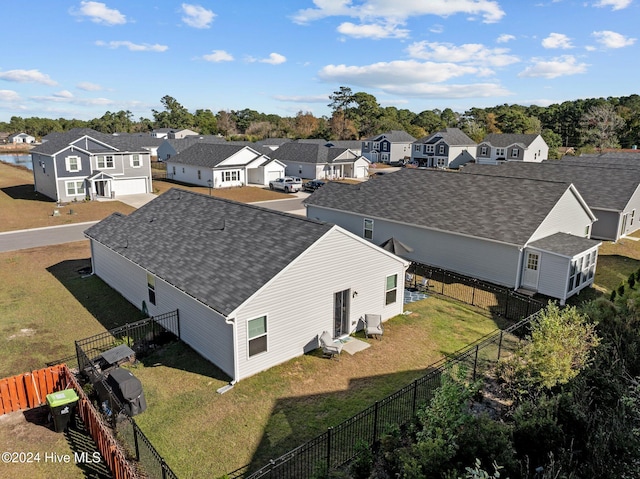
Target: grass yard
203,434
243,194
616,261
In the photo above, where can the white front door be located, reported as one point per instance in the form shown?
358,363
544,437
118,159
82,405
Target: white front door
530,272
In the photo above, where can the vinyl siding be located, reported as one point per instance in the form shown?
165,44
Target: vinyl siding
486,260
607,226
567,216
553,274
633,204
200,327
299,302
44,179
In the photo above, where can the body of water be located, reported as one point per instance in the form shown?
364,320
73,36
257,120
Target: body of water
22,160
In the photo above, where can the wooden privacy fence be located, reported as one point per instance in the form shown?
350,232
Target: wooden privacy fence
29,390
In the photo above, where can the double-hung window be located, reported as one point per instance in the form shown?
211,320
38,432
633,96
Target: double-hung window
391,289
75,188
73,163
105,161
135,161
257,335
232,175
368,229
151,287
515,153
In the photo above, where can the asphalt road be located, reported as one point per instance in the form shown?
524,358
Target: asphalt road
33,238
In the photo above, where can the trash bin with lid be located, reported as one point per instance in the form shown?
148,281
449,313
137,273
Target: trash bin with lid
62,405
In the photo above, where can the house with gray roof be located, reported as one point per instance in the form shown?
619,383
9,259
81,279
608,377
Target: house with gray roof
448,148
314,159
254,287
501,147
612,193
172,146
520,233
221,165
84,163
21,138
388,147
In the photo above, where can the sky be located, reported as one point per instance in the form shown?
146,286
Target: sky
80,59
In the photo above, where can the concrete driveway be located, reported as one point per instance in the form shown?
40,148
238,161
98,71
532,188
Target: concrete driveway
136,200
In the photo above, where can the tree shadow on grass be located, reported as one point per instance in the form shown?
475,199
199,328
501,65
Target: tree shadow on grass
25,192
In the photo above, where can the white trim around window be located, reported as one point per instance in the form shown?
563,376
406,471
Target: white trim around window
368,229
105,162
230,175
391,289
73,163
257,336
136,162
74,188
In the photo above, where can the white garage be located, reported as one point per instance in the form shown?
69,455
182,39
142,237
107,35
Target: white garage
129,186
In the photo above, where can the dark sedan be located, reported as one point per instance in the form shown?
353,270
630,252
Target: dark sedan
313,185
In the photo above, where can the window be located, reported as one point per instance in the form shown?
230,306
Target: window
151,287
174,170
586,231
430,149
199,175
633,213
417,147
441,149
233,175
368,229
75,188
500,151
514,153
105,161
391,289
483,151
73,163
532,261
135,161
442,162
257,334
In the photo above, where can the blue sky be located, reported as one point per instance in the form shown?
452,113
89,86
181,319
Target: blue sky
79,59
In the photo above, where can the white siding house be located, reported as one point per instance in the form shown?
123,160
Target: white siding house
253,287
500,147
489,234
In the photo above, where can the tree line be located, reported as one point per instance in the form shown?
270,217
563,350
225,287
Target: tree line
597,123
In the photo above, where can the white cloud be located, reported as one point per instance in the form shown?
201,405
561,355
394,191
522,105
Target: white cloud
373,30
303,99
616,4
470,53
609,39
64,94
218,56
88,86
505,38
273,59
27,76
557,40
134,47
197,16
98,12
9,96
62,97
448,91
562,66
393,10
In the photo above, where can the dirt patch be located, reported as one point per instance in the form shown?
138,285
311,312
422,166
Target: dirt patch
24,332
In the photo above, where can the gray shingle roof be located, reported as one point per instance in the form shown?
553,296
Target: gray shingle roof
297,152
451,136
218,251
565,244
394,136
503,140
604,188
497,208
207,155
60,141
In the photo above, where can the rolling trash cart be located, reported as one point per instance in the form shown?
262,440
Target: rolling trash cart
62,405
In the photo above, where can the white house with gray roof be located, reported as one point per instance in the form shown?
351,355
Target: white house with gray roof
221,165
611,191
254,287
514,232
84,163
501,147
448,148
317,160
388,147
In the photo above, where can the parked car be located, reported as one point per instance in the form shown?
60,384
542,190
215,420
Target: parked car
313,185
288,184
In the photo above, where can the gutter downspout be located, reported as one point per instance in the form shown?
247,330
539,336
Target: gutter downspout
519,272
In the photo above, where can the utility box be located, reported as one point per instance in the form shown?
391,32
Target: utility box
62,406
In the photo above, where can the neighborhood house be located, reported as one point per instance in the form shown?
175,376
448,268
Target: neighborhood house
254,287
520,233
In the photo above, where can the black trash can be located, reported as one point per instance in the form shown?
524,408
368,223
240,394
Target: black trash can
62,406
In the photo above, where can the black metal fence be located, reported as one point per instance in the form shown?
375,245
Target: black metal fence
498,300
141,336
340,444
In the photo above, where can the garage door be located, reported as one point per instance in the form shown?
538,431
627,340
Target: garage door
131,186
274,175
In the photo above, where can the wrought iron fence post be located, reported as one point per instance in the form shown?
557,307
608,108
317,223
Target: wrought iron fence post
135,441
500,345
178,318
475,363
164,468
415,397
506,306
127,333
375,421
329,448
473,294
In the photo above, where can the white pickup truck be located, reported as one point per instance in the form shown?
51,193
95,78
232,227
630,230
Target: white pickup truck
288,184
